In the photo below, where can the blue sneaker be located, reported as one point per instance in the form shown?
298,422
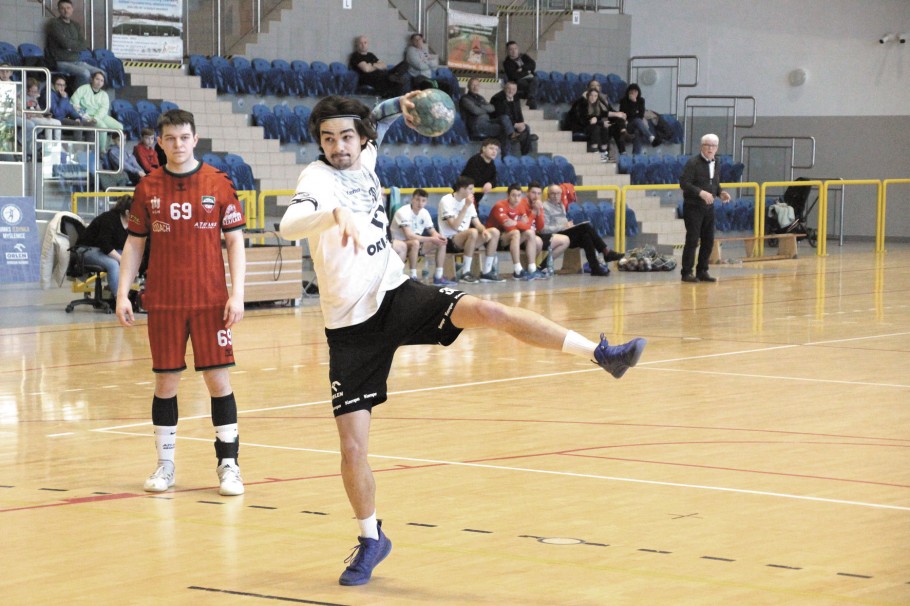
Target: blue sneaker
539,275
442,281
365,557
524,275
617,359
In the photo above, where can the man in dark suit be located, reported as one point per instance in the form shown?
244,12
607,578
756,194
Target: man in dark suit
519,68
506,103
700,184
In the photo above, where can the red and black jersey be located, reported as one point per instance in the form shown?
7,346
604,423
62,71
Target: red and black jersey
184,216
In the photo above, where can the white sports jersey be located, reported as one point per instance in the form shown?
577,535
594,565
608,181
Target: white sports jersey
405,217
351,286
450,207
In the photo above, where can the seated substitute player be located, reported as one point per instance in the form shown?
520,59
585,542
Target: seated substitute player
512,218
370,308
553,244
459,223
183,209
413,224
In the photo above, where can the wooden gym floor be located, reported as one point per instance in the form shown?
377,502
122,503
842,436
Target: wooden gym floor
760,454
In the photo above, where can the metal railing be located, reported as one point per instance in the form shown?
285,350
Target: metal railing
672,63
731,106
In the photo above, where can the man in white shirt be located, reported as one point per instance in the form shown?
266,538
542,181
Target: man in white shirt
413,225
371,308
459,223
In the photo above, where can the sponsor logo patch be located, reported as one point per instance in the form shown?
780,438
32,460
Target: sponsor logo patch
161,226
208,203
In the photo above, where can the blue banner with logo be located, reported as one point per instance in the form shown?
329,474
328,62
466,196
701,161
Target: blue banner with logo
20,251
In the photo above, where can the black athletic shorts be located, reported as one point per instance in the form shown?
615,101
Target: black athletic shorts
453,248
360,356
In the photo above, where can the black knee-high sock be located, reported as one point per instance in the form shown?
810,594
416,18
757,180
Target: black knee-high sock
224,418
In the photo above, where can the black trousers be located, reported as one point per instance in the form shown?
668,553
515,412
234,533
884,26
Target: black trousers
699,220
585,237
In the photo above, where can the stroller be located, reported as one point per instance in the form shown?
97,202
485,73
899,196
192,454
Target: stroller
790,214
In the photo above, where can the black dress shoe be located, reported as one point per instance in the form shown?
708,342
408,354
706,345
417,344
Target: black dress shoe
689,278
612,255
704,277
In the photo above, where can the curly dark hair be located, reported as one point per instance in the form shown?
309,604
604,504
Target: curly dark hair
335,106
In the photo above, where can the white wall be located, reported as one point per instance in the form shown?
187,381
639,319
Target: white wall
748,48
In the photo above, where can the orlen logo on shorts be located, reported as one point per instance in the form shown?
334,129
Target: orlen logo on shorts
231,215
161,226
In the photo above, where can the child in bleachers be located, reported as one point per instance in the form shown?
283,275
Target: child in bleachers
33,103
145,153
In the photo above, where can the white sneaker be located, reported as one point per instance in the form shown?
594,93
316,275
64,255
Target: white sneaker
231,482
159,481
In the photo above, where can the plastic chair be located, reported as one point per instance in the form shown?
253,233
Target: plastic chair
240,172
247,81
303,120
167,106
568,171
288,76
216,161
290,125
324,77
263,116
225,75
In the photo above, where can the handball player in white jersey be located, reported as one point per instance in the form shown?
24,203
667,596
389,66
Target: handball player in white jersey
371,308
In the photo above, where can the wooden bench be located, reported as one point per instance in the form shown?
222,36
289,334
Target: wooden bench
786,247
273,273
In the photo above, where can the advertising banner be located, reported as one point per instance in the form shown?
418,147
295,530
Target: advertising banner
472,42
147,30
20,252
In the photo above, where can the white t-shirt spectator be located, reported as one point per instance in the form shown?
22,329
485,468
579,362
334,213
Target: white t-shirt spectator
405,217
450,207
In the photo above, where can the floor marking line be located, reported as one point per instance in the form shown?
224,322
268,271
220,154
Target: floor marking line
569,474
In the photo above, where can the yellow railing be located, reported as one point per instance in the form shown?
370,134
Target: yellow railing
880,217
823,210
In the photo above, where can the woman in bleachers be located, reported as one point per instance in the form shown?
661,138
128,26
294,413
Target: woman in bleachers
92,100
591,113
633,105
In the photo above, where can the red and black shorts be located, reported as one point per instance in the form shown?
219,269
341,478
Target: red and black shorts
169,330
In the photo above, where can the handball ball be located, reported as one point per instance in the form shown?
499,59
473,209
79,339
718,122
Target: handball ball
434,112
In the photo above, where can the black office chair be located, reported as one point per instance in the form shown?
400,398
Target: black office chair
82,273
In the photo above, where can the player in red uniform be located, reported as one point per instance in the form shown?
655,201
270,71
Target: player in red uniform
185,207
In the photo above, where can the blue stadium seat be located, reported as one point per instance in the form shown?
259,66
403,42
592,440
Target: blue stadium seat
503,171
519,172
557,84
202,67
631,222
307,82
575,213
288,75
429,175
447,172
303,119
608,214
225,76
325,78
568,171
240,172
112,66
345,79
167,106
484,209
408,171
263,116
592,210
247,80
31,54
124,111
216,161
458,163
289,123
616,88
387,171
535,173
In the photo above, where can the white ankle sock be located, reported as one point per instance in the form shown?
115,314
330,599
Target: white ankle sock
438,272
577,345
466,265
369,529
165,443
488,264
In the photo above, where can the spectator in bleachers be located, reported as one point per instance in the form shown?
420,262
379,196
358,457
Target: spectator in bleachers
633,105
104,239
25,127
33,103
421,63
700,184
373,72
617,119
92,100
458,221
412,224
520,68
508,106
591,113
145,153
62,109
480,116
64,43
512,217
481,169
582,236
130,166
